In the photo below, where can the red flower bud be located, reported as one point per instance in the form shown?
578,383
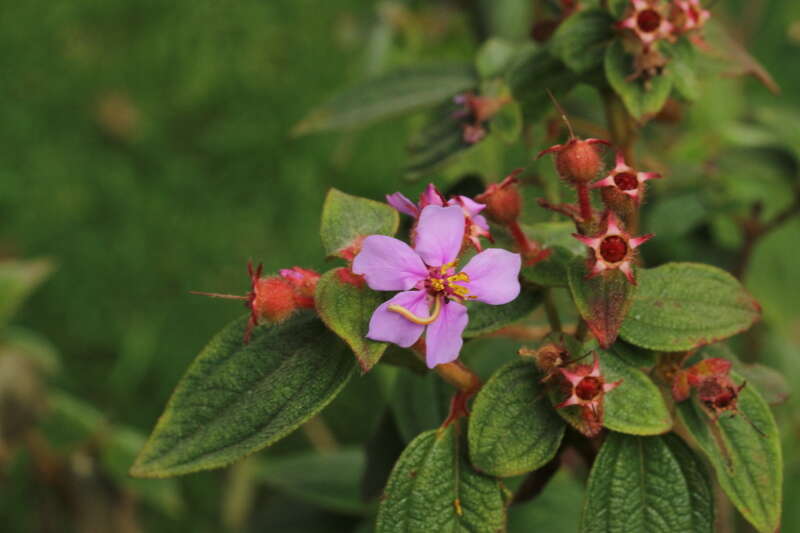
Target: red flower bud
577,161
273,299
503,201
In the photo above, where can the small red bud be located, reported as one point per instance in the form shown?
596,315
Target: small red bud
273,299
503,201
579,162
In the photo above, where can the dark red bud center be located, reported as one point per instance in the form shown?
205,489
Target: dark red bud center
648,20
589,388
613,249
626,181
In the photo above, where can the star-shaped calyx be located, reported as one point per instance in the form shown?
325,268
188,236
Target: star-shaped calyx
613,248
587,388
647,21
688,15
626,180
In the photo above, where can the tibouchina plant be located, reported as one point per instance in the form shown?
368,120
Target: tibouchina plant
510,327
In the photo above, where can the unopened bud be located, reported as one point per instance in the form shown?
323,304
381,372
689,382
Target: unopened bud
503,201
273,299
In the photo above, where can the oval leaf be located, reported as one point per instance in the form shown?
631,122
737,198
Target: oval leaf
681,306
747,460
346,309
346,219
580,41
513,428
641,99
392,94
485,318
651,484
434,488
603,301
238,398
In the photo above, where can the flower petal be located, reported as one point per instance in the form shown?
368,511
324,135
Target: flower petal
388,326
440,233
389,264
443,340
470,206
494,276
402,204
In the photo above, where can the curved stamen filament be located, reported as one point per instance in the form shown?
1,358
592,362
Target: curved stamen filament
422,321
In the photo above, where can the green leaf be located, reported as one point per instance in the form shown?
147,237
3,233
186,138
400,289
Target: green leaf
434,488
535,71
419,403
652,484
552,272
553,510
603,301
17,280
683,69
636,406
485,318
681,306
641,99
747,460
329,480
580,41
346,219
513,428
618,7
238,398
346,310
494,57
393,94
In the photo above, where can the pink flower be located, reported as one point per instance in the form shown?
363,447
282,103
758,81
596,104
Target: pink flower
475,224
625,179
433,292
646,20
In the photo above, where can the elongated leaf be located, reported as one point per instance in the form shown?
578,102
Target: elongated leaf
680,306
434,488
393,94
513,429
747,460
346,309
420,403
636,406
238,398
17,280
683,69
330,480
580,41
651,484
641,99
346,219
485,318
535,71
603,301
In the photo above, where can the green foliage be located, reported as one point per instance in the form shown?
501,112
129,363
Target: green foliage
744,449
642,99
347,218
532,73
238,398
653,484
17,280
392,94
683,68
419,403
513,429
346,309
581,40
680,306
494,57
331,480
434,488
603,301
485,318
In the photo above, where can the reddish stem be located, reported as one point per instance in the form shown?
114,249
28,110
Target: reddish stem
520,237
584,202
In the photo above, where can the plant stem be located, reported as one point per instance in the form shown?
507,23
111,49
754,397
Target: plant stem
585,202
552,311
754,231
320,435
582,331
456,373
519,236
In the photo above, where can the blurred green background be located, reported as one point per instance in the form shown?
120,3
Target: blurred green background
145,149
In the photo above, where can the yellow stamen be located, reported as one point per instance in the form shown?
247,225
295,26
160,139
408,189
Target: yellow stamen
405,313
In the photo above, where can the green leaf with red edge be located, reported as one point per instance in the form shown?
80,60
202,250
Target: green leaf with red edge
238,398
603,301
434,488
347,219
745,451
345,304
641,99
512,427
682,306
653,484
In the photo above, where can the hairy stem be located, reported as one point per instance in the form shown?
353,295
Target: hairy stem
456,373
585,202
519,237
552,311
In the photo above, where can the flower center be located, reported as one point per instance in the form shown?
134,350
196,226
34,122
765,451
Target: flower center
445,281
648,20
588,388
613,249
626,181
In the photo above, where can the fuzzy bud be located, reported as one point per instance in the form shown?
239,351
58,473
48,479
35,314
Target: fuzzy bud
503,201
273,299
577,161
